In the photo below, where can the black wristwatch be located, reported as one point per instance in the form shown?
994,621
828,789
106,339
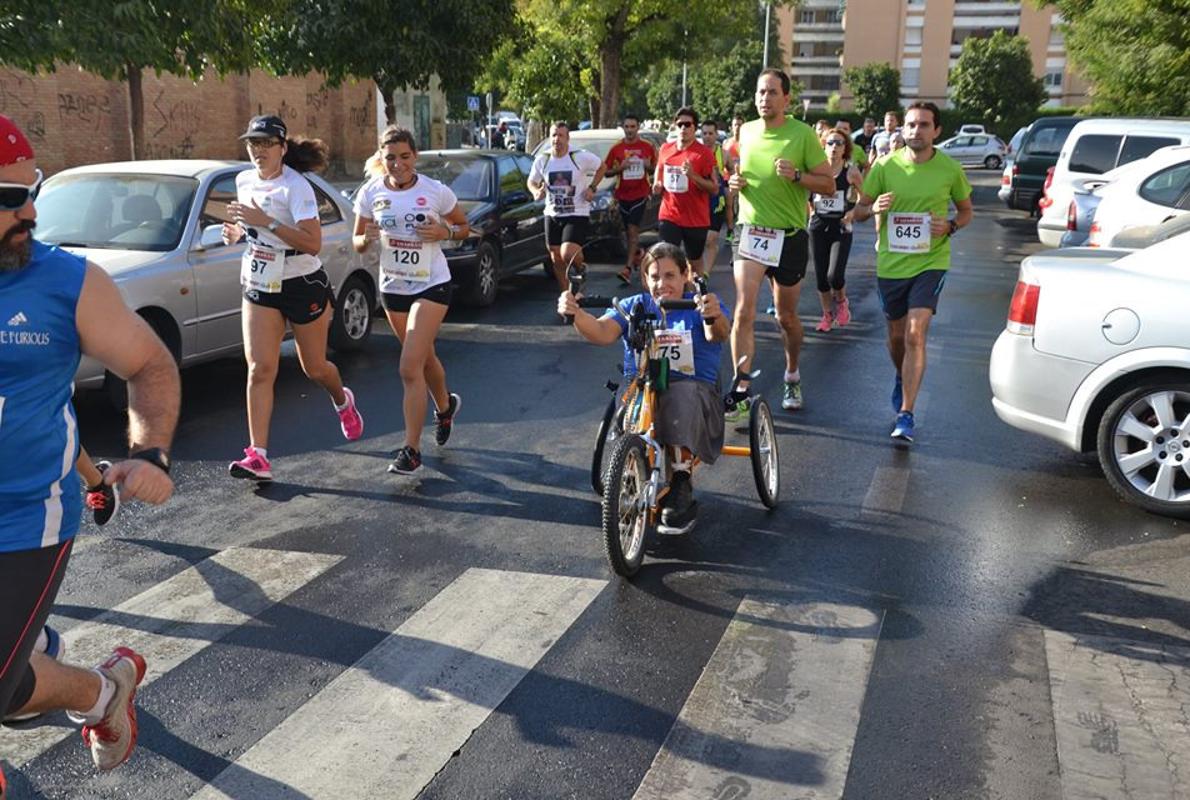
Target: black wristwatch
797,175
954,227
155,456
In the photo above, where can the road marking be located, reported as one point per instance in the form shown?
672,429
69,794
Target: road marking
173,620
388,724
886,492
776,709
1120,717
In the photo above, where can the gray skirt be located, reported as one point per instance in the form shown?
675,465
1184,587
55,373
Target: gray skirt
690,414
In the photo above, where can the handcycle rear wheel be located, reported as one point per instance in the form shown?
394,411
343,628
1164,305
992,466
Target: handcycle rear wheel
762,442
625,518
609,430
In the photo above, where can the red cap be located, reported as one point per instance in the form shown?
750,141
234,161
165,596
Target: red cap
14,146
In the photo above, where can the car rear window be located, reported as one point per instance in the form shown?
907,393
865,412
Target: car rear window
1138,147
1095,153
1046,141
1167,187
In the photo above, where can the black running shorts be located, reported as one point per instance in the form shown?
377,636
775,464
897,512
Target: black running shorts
301,300
29,581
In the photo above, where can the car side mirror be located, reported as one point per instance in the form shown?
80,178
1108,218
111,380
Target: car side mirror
211,237
515,198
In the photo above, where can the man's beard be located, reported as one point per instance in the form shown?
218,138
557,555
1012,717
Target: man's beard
14,256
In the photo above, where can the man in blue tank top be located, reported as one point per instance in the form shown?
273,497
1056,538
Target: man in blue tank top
55,306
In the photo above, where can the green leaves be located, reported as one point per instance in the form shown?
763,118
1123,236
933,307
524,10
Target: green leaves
993,81
876,88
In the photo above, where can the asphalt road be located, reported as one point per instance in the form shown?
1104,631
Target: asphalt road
976,617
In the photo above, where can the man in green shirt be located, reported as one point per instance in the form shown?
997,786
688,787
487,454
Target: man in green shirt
912,188
781,161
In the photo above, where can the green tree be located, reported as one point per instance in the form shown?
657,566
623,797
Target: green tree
395,46
546,75
875,87
724,87
120,40
1135,53
993,81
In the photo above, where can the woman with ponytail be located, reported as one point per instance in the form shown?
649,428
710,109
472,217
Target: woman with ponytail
283,280
407,215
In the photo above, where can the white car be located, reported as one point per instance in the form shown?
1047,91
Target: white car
155,227
1147,193
983,150
1096,356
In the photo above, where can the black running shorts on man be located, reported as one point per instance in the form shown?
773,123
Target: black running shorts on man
692,240
898,295
301,300
632,212
795,256
29,581
575,230
402,303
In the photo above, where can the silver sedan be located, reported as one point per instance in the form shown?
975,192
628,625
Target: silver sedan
1096,356
155,227
983,150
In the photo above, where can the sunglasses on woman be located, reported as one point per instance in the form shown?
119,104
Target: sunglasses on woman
13,196
834,142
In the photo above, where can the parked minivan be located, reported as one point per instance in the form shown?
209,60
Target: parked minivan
1039,151
1096,146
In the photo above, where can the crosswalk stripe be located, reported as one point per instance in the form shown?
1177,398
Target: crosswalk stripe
775,712
1120,717
173,621
387,725
886,492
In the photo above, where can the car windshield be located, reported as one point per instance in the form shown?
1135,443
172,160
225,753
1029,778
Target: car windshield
468,178
115,211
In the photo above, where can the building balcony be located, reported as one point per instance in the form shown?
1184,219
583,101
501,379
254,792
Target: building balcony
811,37
799,72
967,7
821,5
967,22
817,26
817,61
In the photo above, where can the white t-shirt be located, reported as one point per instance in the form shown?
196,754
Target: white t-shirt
288,198
566,181
407,264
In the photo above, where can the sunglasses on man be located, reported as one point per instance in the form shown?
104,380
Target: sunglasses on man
13,196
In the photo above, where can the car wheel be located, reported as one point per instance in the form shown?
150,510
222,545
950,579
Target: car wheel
1144,446
352,324
482,291
993,162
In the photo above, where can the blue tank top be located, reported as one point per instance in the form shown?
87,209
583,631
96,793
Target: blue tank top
40,498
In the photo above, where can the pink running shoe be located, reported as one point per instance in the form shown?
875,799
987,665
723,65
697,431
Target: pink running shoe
843,312
350,420
253,466
112,739
824,324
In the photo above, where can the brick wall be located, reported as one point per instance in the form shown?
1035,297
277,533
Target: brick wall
73,117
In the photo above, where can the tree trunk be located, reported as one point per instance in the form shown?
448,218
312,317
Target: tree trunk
610,56
387,90
136,111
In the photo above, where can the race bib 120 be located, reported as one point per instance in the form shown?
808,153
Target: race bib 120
405,260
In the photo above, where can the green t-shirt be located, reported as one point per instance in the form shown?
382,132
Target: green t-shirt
768,199
922,188
858,156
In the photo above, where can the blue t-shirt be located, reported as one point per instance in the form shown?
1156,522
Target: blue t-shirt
706,353
40,497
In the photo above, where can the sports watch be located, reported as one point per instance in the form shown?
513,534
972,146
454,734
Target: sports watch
274,225
155,456
954,227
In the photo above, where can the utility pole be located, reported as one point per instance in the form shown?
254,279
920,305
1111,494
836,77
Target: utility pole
684,34
767,9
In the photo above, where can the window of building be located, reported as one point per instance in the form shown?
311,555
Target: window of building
910,76
835,15
913,37
807,17
1057,37
1053,79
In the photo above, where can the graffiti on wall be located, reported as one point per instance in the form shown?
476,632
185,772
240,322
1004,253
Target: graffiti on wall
82,107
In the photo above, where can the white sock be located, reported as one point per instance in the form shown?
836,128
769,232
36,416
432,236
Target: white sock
43,641
346,401
793,377
262,452
94,715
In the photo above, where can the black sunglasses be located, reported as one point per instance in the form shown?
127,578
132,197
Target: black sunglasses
834,142
13,196
685,124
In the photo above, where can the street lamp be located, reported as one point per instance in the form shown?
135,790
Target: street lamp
767,9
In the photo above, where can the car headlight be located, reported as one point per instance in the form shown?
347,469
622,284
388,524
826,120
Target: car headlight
470,243
602,202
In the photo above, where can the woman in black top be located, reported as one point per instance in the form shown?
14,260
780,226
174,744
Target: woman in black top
830,230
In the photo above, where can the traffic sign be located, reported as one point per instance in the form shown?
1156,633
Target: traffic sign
472,102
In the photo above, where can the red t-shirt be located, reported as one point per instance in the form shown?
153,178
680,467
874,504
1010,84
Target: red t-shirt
630,189
683,203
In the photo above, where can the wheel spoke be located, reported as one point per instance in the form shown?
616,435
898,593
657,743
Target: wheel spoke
1133,427
1162,488
1132,462
1162,405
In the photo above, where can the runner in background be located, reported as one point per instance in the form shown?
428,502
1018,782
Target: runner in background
283,279
567,179
686,178
632,159
830,230
731,149
720,207
913,188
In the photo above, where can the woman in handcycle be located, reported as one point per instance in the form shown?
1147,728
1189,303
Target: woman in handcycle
689,417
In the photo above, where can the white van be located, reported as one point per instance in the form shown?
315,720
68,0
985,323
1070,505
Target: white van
1094,147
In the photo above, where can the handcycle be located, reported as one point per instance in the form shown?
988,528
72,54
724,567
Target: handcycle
637,473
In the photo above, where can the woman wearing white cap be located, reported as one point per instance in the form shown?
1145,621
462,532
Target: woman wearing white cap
283,280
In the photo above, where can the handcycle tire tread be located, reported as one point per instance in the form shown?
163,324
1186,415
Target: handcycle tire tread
597,466
621,563
761,416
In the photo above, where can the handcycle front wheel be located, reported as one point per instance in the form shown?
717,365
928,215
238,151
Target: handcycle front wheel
625,518
762,442
609,429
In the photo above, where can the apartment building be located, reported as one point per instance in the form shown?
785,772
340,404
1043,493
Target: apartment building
922,38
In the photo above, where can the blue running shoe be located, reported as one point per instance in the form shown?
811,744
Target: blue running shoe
898,396
903,430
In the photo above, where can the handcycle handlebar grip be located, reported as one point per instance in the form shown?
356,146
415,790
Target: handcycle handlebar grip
594,301
678,305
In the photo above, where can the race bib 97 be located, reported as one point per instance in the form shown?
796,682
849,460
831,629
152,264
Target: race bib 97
908,233
262,268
